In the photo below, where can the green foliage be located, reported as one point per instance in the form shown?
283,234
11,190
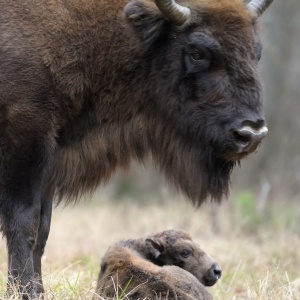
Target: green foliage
73,286
247,211
277,216
126,187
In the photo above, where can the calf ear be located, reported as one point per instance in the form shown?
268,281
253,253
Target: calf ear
146,20
155,246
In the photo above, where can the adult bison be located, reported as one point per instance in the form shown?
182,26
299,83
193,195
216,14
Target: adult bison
87,86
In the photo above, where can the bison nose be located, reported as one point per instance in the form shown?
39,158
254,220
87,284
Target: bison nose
213,274
248,138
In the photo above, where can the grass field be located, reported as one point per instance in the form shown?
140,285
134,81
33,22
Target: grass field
259,253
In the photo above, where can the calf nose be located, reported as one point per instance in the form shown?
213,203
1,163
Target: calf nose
217,271
213,274
247,138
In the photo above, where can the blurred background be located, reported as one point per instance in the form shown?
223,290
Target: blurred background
276,167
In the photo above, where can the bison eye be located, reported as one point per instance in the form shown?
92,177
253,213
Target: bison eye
197,59
197,55
186,253
200,53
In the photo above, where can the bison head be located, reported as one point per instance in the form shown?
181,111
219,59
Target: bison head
204,88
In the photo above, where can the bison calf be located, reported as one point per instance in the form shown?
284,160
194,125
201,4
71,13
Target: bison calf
166,265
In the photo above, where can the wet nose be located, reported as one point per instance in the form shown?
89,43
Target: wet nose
213,274
247,138
217,271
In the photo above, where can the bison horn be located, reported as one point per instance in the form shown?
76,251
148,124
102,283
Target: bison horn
259,6
174,12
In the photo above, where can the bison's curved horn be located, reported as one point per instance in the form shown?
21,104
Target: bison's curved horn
174,12
259,6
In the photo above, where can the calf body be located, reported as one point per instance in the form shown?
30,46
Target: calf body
87,86
167,265
144,280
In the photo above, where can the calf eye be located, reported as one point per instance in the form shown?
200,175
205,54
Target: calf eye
186,253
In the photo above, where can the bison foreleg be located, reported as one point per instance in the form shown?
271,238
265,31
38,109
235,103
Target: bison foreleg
43,233
20,228
21,214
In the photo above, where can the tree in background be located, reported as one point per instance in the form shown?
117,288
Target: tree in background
276,166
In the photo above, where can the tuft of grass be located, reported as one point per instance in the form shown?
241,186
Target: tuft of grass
125,289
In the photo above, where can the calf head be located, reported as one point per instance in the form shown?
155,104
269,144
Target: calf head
176,247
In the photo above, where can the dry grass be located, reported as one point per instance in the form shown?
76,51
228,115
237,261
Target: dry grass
260,256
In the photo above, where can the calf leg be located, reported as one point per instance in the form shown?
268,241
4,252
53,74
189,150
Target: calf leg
43,233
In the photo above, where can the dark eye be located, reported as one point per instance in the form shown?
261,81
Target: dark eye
200,54
186,253
197,55
197,59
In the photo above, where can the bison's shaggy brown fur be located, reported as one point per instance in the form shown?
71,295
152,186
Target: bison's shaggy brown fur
87,86
167,265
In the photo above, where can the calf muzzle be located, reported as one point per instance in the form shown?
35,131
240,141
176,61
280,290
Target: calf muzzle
212,275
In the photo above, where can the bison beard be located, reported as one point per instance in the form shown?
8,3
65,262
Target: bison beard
196,170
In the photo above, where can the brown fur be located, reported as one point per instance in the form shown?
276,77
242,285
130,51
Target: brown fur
116,131
136,261
164,248
147,281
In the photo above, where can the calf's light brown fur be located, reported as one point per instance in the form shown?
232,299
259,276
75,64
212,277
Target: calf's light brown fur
146,280
154,268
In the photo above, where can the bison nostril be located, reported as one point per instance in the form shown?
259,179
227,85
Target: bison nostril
248,138
241,138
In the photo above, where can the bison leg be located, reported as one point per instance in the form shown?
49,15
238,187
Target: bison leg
20,227
43,233
21,178
27,143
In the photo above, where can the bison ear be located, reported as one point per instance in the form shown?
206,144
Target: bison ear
146,20
155,246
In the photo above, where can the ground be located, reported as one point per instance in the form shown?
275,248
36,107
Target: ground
259,252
